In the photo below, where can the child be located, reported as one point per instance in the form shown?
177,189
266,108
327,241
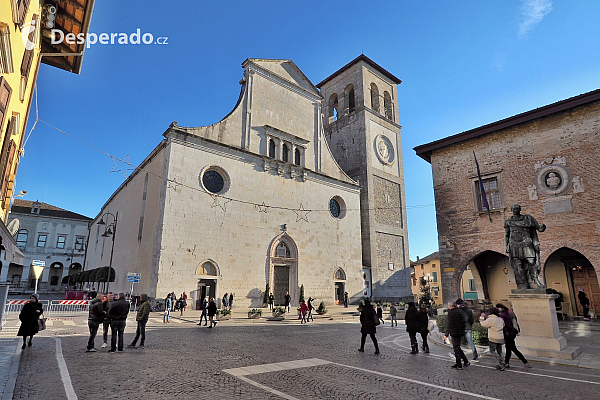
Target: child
495,326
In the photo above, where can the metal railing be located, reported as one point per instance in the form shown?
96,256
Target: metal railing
52,307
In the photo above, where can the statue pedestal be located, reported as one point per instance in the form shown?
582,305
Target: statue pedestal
540,336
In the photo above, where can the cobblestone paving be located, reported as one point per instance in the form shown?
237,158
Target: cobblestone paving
185,361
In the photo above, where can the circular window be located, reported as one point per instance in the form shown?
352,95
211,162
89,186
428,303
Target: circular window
334,208
213,181
337,207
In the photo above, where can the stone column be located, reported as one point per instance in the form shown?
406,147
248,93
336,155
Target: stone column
540,336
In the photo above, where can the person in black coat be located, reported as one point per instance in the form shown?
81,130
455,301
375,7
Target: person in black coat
29,318
95,318
212,311
456,330
412,326
423,326
368,326
585,304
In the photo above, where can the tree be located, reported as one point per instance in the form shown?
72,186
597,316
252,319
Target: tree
425,289
301,293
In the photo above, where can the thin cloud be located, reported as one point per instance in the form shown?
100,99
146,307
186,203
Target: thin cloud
533,11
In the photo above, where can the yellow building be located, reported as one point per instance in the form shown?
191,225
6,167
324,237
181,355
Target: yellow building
25,41
427,268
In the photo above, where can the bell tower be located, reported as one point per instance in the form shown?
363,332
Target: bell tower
361,127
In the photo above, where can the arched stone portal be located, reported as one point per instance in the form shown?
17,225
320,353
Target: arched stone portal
566,271
492,274
283,268
208,274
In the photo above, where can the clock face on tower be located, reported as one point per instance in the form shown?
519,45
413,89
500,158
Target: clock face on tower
384,149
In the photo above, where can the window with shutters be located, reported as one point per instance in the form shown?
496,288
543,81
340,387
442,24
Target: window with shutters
5,92
7,171
41,242
20,8
28,56
6,62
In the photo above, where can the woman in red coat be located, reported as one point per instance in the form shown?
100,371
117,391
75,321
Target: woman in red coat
29,319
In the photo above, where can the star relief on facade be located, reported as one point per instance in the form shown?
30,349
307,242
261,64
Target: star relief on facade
384,149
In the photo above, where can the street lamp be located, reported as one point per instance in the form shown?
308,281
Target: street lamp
108,232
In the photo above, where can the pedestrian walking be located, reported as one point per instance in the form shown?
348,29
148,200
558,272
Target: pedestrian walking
380,312
468,314
204,314
511,330
303,311
225,303
310,309
106,302
173,298
368,324
212,311
168,306
346,299
271,301
456,330
30,313
424,326
288,300
412,326
118,317
182,304
95,318
495,326
230,300
393,313
185,298
585,304
142,319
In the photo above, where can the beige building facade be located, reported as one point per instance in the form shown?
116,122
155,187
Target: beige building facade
255,199
427,269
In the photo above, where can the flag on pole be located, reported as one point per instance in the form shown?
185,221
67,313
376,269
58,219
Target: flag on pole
484,202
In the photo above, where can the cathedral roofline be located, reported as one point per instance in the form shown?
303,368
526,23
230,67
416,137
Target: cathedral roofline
358,59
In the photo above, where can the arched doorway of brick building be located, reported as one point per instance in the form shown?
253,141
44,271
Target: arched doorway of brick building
566,270
487,279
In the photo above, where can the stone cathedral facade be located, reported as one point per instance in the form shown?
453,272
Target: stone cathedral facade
289,189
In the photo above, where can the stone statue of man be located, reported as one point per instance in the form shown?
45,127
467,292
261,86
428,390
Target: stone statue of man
523,247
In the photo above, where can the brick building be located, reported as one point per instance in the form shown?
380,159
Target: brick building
546,161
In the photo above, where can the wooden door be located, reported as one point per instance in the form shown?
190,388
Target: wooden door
588,281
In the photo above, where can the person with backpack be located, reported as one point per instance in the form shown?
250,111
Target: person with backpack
368,322
511,330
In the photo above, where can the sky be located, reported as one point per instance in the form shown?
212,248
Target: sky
463,64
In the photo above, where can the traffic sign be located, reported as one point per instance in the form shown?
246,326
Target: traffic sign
132,274
133,279
38,263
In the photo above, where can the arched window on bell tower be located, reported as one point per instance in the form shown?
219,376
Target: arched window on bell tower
387,104
350,98
271,148
374,97
333,108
